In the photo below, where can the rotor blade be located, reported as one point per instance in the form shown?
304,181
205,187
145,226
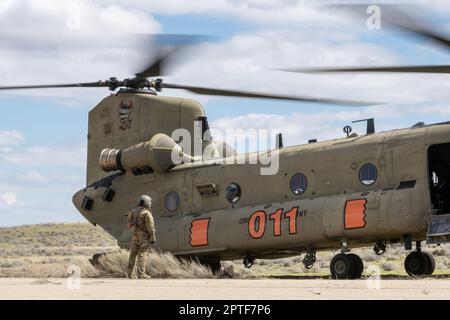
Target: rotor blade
243,94
71,85
157,68
400,20
401,17
403,22
168,45
399,69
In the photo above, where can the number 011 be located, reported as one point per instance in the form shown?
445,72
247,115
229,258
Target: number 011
258,222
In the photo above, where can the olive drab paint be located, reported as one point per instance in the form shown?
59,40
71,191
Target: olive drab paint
270,219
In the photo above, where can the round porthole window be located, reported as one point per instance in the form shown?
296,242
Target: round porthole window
368,174
299,183
233,193
172,201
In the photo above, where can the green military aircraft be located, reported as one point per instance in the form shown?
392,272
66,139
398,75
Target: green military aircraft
373,189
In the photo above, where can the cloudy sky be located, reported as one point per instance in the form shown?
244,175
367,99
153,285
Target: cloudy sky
43,133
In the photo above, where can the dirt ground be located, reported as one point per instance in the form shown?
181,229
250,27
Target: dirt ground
270,289
45,261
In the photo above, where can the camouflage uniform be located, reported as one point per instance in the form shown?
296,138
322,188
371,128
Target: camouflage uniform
140,220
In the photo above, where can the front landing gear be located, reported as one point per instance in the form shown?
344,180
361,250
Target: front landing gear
214,264
95,260
346,266
310,259
419,263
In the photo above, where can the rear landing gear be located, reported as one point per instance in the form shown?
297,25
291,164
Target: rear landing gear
380,248
431,263
359,266
346,266
419,263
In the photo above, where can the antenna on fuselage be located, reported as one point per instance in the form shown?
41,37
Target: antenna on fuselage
347,130
279,141
370,125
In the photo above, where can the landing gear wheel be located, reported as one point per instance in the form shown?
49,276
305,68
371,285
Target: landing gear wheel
95,260
380,248
417,264
310,259
431,263
248,262
359,266
215,266
342,267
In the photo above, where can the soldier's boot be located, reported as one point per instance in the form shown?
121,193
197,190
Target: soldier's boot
130,274
141,263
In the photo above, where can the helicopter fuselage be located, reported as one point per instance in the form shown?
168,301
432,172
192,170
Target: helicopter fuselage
353,191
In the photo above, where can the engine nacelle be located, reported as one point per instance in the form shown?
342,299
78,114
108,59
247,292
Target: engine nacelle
159,154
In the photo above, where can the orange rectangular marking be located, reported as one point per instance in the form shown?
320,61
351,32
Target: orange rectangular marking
199,232
355,214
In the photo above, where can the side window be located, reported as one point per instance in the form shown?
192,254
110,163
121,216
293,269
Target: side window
368,174
233,193
299,184
172,201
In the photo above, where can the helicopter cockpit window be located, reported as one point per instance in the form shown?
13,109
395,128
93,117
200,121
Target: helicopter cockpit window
233,193
206,135
368,174
172,201
299,183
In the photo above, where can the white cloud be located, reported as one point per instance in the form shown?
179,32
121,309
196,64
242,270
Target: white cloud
279,12
35,178
36,156
41,44
299,127
245,61
9,138
323,39
95,17
296,128
5,5
32,177
28,205
8,199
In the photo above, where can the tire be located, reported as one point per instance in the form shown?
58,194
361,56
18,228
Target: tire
95,260
416,264
431,263
215,266
342,267
359,266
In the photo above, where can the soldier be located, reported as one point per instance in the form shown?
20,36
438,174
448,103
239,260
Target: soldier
140,221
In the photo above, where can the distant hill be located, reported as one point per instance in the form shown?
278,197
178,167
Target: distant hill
53,239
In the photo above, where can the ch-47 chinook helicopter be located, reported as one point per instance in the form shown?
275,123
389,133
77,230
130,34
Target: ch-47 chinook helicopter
374,189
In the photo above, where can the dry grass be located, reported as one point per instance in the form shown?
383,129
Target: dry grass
51,250
46,251
166,265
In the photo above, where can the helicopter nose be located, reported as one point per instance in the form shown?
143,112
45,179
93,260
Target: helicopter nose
77,199
84,205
